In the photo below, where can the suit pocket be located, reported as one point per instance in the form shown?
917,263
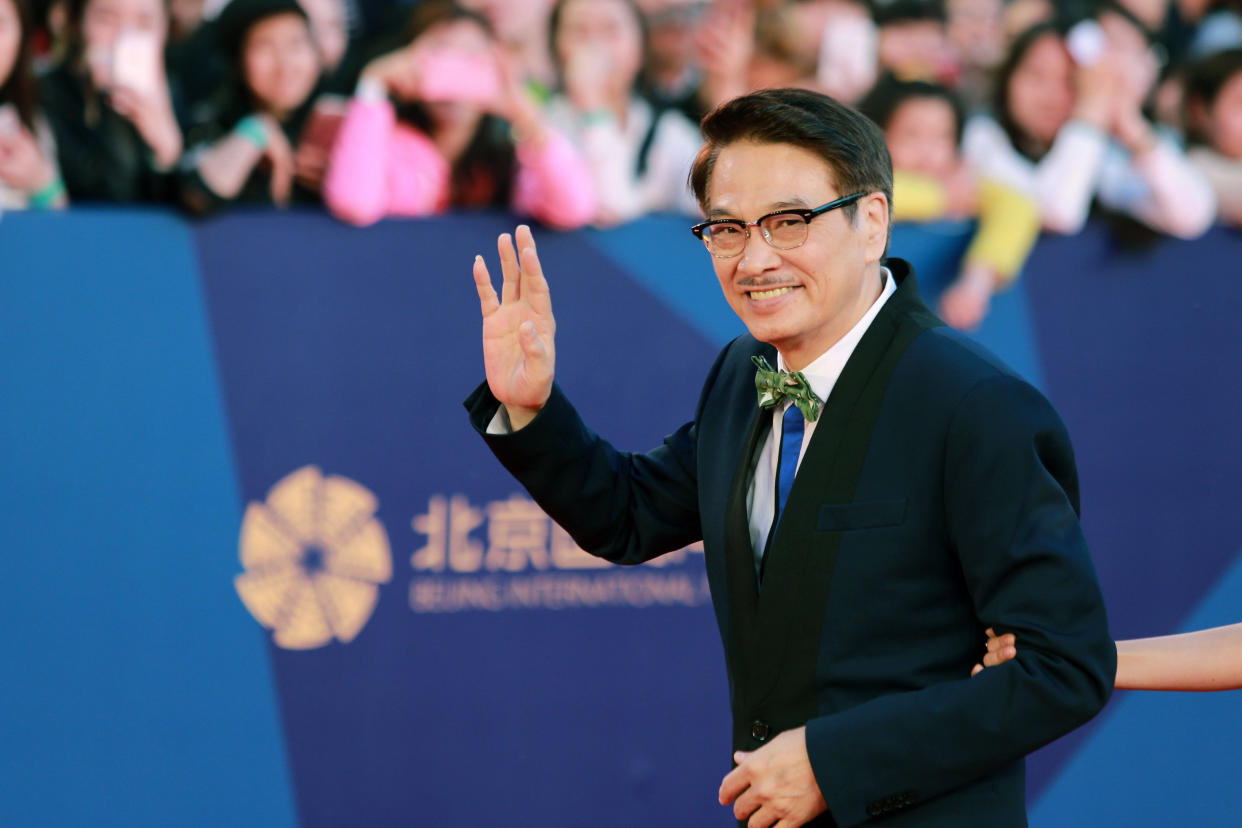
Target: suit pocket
849,517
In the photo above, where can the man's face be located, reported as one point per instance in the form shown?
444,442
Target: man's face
804,299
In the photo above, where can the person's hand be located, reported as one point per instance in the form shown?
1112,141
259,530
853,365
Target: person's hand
513,101
519,331
961,192
310,164
774,785
1137,74
726,44
965,302
399,72
1096,90
588,77
152,115
999,650
22,165
279,155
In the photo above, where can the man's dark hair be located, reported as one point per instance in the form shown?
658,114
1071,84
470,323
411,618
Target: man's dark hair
849,143
882,102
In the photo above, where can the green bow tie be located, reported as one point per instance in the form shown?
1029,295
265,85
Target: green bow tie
775,386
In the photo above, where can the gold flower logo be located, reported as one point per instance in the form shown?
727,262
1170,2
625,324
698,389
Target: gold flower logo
313,554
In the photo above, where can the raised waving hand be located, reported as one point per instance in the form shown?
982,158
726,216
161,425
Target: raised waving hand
519,349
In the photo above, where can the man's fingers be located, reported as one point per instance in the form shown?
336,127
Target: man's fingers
977,669
765,817
736,781
511,275
488,302
534,285
1005,642
746,805
1000,656
532,346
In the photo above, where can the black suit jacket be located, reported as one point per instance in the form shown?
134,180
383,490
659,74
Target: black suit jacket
937,497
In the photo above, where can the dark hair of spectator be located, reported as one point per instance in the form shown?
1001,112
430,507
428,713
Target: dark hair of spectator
1204,81
889,93
75,10
483,175
909,11
239,16
18,88
1004,74
554,29
234,100
851,144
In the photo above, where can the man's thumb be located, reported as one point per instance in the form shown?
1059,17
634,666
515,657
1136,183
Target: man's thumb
532,346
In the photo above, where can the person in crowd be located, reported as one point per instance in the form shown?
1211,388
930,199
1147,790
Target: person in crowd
847,63
977,37
248,149
1218,26
521,27
1020,15
673,76
464,132
1213,117
329,23
913,40
1202,660
1067,129
638,156
29,176
922,125
110,106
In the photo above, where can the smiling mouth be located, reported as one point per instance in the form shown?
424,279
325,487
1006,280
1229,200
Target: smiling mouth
771,293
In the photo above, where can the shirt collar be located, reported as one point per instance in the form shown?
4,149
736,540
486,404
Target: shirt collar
823,371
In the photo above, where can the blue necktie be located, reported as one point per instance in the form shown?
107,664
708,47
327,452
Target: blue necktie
791,444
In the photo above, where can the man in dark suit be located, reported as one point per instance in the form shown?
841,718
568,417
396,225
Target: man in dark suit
889,492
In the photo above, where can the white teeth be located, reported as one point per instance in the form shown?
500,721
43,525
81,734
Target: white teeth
769,294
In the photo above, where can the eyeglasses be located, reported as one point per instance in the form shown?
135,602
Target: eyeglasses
784,229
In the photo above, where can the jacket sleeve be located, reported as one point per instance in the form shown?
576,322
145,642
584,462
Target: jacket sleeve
624,507
1012,520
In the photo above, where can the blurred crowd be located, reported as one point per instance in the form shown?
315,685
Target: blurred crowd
1026,115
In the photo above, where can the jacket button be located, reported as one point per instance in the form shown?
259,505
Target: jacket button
759,731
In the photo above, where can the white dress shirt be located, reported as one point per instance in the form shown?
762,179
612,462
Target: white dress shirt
822,374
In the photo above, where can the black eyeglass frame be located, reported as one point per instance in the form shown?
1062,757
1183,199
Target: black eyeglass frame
805,214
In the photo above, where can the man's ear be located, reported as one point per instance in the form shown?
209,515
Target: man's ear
874,215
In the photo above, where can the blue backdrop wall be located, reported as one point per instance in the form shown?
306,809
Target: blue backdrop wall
260,572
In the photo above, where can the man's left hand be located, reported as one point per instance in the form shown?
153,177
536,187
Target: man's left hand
774,785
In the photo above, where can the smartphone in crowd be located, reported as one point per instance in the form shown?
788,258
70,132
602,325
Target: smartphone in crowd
324,123
455,76
136,61
1086,42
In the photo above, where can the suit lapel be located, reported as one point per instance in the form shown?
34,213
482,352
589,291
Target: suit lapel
739,555
798,573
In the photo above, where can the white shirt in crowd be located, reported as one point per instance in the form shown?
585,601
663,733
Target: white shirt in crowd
1161,188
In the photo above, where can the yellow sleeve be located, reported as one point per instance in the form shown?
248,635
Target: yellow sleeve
916,197
1008,229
